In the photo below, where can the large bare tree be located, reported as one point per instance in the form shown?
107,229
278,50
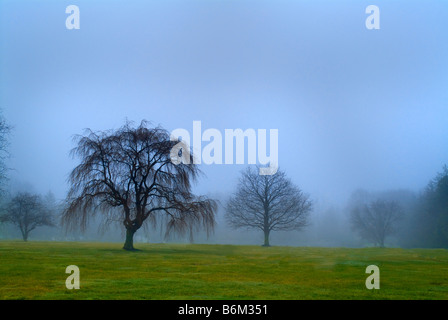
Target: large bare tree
27,212
129,173
268,203
376,220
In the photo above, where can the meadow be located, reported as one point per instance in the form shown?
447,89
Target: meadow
36,270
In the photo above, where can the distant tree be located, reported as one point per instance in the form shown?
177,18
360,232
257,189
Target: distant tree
129,174
49,201
27,212
431,226
5,130
376,220
268,203
407,201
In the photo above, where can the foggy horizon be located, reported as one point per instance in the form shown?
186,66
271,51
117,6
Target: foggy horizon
354,108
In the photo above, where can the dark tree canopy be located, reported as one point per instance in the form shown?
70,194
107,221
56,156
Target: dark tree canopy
268,203
129,173
432,216
376,220
27,212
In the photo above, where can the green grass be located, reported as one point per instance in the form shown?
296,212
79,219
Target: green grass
36,270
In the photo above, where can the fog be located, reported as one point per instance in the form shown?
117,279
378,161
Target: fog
354,108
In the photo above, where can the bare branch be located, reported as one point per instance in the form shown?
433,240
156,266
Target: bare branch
268,203
130,169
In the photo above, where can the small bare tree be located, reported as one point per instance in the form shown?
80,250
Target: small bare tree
268,203
27,212
376,220
5,130
129,174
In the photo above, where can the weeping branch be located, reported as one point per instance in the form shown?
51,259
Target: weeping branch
130,169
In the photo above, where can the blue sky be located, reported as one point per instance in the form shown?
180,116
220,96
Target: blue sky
354,107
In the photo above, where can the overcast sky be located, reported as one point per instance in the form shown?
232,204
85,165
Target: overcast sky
354,107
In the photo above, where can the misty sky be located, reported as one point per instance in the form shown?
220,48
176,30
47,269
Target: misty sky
354,107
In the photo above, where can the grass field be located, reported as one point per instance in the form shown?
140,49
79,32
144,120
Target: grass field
36,270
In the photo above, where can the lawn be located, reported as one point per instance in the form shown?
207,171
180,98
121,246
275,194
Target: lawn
36,270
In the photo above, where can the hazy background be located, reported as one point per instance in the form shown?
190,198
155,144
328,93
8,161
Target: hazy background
355,108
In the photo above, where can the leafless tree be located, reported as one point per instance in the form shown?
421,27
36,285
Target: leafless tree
129,174
376,220
27,211
5,130
268,203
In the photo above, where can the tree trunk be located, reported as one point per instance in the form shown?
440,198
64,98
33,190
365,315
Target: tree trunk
129,243
25,236
266,239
